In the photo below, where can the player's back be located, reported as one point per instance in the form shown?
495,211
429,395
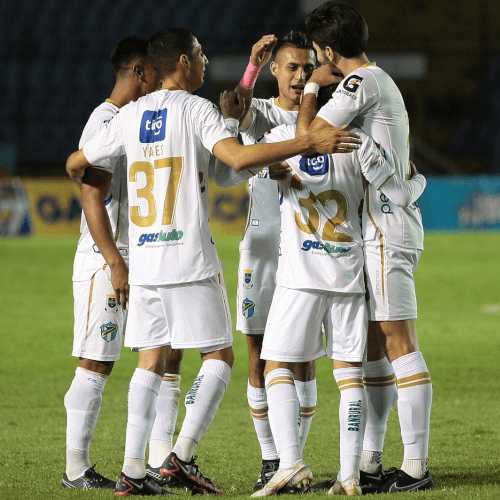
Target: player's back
369,99
88,259
321,242
168,137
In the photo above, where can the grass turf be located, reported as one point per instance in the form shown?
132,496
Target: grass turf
459,305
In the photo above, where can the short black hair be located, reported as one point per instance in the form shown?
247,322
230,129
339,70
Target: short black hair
297,39
325,94
166,47
126,51
338,26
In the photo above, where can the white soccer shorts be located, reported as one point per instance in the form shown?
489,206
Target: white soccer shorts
293,330
99,321
256,284
390,283
184,315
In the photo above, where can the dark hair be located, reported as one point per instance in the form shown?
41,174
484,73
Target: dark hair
296,39
338,26
325,94
166,47
126,51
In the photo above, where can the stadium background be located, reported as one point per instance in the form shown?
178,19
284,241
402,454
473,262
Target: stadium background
445,57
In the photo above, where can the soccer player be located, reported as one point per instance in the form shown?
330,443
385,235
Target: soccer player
393,243
259,248
177,293
320,283
99,321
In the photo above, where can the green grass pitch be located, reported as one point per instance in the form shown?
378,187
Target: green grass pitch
459,306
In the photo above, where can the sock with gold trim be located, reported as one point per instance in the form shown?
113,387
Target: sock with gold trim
257,401
308,396
283,413
414,409
381,395
352,411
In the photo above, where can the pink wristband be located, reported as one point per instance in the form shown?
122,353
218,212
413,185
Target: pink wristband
250,76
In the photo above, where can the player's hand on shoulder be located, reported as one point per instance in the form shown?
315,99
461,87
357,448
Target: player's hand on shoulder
330,140
279,171
262,50
326,74
232,104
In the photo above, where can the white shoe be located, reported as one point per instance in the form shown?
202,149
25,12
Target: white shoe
349,486
298,477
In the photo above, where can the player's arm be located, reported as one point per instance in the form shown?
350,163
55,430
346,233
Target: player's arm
383,176
260,56
76,165
404,192
229,151
307,120
95,187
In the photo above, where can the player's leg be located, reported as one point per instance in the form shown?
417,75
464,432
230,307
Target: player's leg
210,331
257,402
98,333
393,309
167,407
346,331
381,395
256,284
147,332
305,383
293,315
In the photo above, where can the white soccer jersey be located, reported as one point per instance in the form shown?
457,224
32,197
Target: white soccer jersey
167,137
88,259
263,221
321,240
369,99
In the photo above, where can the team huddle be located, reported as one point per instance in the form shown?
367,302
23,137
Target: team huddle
332,239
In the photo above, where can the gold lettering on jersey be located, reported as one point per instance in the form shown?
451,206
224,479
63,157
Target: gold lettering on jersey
150,151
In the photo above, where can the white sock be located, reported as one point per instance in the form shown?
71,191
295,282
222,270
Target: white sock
283,416
257,401
352,411
83,404
202,402
167,407
414,407
381,395
307,393
142,394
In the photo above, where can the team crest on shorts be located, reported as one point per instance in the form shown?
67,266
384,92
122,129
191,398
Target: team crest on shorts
248,279
248,308
108,331
111,304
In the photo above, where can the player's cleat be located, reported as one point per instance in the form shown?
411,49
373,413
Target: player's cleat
188,473
90,480
294,478
349,486
324,486
374,478
399,481
127,487
169,482
269,468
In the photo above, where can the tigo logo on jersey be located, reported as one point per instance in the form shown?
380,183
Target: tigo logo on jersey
108,331
314,165
248,308
153,126
111,304
248,278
